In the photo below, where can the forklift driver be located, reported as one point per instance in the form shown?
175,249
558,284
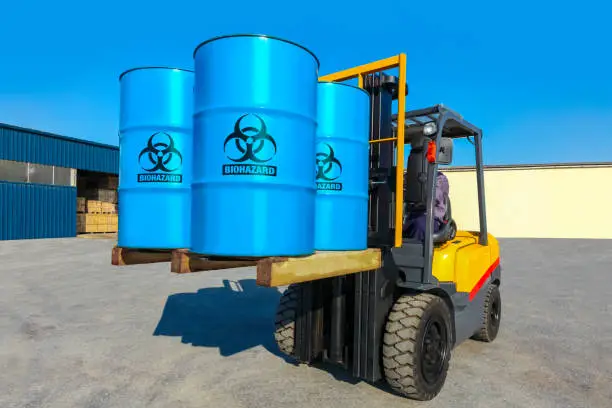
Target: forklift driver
414,226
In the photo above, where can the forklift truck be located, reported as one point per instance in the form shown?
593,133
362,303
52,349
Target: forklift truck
400,321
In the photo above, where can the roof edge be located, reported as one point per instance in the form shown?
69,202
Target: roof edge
56,136
530,166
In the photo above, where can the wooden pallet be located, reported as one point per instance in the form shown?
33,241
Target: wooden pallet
270,271
129,256
281,271
98,235
184,261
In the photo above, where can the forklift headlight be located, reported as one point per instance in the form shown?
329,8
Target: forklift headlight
430,129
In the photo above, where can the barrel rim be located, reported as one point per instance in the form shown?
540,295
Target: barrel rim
271,37
153,67
343,84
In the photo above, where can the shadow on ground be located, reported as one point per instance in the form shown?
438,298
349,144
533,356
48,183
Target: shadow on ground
340,374
233,318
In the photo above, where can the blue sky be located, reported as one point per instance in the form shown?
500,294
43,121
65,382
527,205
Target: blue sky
536,76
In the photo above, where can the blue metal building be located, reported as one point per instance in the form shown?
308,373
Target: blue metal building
38,179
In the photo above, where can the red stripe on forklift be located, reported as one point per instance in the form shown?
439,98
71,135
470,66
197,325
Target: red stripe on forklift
483,279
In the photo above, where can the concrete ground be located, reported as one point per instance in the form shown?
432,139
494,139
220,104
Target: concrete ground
78,332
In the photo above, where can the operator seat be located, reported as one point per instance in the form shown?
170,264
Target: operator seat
415,190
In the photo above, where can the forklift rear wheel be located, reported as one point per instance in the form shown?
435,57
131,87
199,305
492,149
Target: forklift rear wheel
285,320
417,345
491,316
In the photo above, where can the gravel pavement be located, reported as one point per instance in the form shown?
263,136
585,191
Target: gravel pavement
77,332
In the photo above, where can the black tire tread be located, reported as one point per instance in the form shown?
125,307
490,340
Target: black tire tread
284,332
483,333
400,344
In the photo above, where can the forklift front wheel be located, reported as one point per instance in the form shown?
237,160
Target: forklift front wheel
417,346
285,320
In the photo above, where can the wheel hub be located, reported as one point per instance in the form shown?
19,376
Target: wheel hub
435,350
494,314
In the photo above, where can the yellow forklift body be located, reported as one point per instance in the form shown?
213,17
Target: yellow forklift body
465,262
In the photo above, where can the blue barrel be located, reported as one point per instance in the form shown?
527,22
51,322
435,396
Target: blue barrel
254,136
155,149
342,168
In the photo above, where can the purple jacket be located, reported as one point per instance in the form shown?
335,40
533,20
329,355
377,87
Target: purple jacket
442,191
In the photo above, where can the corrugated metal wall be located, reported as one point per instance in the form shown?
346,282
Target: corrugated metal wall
26,145
29,211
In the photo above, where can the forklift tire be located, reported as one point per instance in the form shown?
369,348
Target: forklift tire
284,333
491,316
417,346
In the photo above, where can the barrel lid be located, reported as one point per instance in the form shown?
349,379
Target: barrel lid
153,67
343,84
261,36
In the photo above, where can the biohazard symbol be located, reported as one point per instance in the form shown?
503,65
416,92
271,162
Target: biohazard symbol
160,154
326,164
250,142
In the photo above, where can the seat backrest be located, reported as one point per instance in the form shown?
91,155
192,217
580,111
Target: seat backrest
415,181
415,190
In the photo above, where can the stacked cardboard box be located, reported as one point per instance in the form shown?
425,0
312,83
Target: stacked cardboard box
81,205
97,204
108,182
94,207
109,208
100,207
87,223
96,216
101,194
